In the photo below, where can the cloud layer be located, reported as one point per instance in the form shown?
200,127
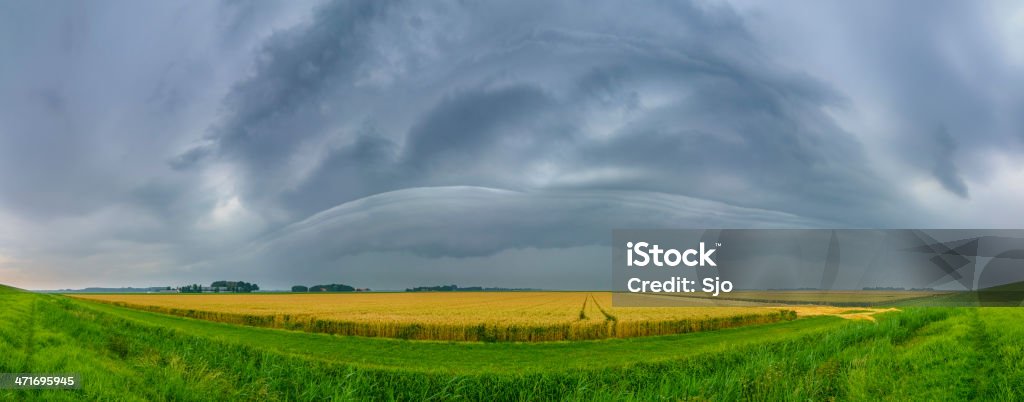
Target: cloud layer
281,142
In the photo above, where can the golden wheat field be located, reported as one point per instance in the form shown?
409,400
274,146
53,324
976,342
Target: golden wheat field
461,316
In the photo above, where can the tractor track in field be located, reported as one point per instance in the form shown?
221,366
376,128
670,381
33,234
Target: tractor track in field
981,340
583,310
30,334
607,316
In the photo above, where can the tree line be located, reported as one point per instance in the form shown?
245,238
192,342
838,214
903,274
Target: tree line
334,287
456,288
221,286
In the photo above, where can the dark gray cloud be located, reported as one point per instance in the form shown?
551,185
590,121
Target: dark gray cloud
268,140
716,113
945,169
937,95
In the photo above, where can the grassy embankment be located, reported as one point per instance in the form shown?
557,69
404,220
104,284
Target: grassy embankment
918,354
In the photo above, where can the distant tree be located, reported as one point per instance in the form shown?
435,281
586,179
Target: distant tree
334,287
456,288
234,286
442,288
299,288
193,288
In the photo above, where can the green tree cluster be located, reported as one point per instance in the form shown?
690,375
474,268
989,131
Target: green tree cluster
235,286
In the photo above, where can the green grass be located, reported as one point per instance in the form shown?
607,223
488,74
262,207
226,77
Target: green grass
471,357
123,354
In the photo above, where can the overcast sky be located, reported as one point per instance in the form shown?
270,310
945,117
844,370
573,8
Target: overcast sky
394,144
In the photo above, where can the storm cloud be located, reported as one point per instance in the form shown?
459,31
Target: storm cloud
411,143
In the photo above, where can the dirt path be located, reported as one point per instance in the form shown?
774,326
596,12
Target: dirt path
856,313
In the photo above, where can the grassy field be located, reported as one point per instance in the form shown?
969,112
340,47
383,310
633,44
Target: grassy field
450,316
126,354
